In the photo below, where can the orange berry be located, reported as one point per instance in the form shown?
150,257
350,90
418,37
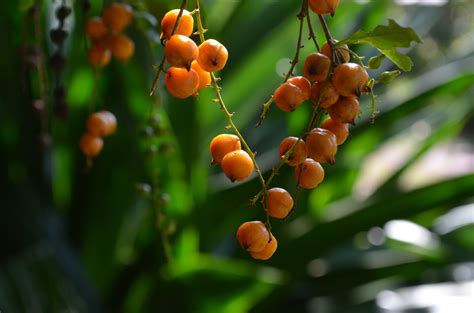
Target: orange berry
303,84
102,123
350,79
122,47
322,145
90,144
253,236
237,165
323,6
339,129
185,26
316,67
180,51
345,110
96,28
288,97
212,55
309,174
181,83
99,56
118,16
279,203
329,96
204,77
267,252
342,54
223,144
299,153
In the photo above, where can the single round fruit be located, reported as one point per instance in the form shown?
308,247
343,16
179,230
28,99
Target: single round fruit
90,144
279,203
341,53
99,56
323,6
299,152
339,129
322,145
267,252
303,84
309,174
329,96
204,77
253,236
180,51
237,165
350,79
345,110
316,67
117,16
181,83
122,47
212,55
96,28
185,26
288,97
223,144
102,123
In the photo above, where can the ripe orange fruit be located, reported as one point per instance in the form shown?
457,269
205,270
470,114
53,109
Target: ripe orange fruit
96,28
212,55
322,145
122,47
237,165
102,123
204,77
90,144
303,84
323,6
180,51
299,153
342,54
309,174
117,16
350,79
268,251
316,67
345,110
279,203
329,96
223,144
253,236
181,83
288,97
185,26
99,56
339,129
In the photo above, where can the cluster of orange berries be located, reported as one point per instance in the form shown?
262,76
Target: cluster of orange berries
190,65
99,124
106,35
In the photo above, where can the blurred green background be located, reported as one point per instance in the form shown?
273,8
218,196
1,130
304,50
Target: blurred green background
393,216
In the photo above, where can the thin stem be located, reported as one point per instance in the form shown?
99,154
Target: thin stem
327,33
312,35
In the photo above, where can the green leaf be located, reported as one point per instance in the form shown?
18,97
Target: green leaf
386,39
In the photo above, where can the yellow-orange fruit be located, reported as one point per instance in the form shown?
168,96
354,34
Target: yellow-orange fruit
309,174
288,97
204,77
180,51
342,54
279,203
181,83
102,123
237,165
267,252
329,96
90,144
122,47
345,110
322,145
316,67
323,6
303,84
350,79
212,55
253,236
223,144
185,25
339,129
299,152
99,56
96,28
117,16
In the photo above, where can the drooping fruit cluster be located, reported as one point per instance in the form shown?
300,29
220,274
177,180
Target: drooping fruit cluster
99,124
190,66
105,32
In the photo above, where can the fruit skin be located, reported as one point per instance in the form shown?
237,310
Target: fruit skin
279,203
342,53
316,67
99,56
268,251
180,51
102,123
322,145
204,77
181,83
299,153
95,28
345,110
212,55
339,129
237,165
349,79
303,84
288,97
90,144
223,144
122,47
323,6
185,26
309,174
117,16
329,96
253,236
